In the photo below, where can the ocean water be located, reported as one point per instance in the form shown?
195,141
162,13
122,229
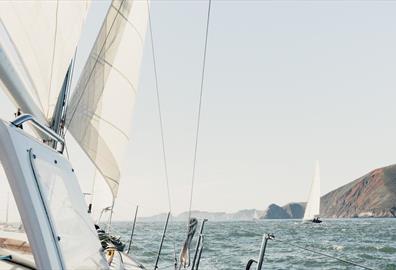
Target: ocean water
229,245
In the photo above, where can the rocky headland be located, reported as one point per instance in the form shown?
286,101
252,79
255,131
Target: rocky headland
372,195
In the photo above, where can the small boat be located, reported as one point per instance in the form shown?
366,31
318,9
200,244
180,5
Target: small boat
312,209
256,216
316,220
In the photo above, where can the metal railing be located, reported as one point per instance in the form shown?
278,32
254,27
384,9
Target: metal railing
29,118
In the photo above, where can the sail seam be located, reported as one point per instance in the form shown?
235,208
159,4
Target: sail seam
120,73
133,26
110,124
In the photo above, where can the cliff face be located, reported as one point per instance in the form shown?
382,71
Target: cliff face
372,195
275,212
291,210
295,210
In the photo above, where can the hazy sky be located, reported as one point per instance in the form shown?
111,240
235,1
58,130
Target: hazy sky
288,83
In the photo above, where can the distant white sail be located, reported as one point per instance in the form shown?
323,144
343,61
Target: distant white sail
100,111
312,208
44,35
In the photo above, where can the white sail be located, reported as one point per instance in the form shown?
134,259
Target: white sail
44,35
312,208
100,110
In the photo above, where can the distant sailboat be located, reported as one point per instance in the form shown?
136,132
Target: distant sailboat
255,215
312,208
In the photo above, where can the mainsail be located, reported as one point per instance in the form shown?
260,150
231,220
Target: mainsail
312,208
44,35
100,109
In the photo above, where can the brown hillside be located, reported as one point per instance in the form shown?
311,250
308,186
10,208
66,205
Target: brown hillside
372,195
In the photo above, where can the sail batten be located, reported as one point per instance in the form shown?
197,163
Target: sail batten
100,109
312,208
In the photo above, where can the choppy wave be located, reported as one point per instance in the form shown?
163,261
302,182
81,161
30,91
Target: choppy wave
229,245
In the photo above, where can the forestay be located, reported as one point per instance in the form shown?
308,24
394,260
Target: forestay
312,208
100,110
45,35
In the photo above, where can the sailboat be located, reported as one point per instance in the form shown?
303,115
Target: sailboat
38,43
255,215
312,209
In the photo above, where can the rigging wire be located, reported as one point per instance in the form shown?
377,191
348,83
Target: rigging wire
160,122
199,112
324,254
289,242
159,108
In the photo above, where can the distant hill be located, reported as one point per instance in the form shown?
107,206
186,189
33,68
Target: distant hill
372,195
247,214
215,216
